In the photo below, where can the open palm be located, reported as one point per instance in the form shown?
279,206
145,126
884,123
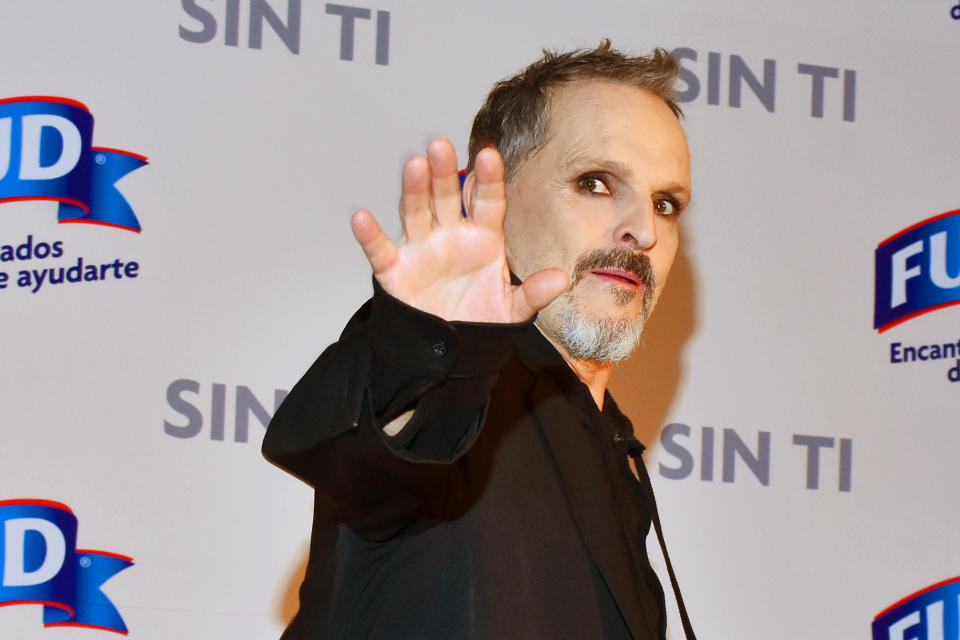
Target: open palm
447,265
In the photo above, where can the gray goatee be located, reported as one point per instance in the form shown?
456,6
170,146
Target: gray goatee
602,339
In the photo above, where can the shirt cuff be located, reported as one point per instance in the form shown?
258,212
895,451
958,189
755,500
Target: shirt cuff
443,370
422,343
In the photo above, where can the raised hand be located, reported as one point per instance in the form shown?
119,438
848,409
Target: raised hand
447,265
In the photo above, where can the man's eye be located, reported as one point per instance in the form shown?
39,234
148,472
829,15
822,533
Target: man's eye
667,207
593,184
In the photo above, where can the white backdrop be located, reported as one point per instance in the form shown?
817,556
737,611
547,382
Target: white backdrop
119,396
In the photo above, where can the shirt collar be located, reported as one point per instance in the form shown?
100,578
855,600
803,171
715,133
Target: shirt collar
543,357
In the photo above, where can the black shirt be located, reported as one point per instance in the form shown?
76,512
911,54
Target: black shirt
505,508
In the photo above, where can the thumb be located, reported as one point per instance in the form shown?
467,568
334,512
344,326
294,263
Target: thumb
537,291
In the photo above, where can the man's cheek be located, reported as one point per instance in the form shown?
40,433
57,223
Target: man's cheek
660,281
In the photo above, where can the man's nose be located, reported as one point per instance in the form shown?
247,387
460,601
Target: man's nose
636,229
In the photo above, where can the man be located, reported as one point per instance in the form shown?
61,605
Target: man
471,471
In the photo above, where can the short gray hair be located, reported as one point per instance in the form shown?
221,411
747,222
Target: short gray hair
514,118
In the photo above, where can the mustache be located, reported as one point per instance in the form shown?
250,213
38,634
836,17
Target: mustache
616,258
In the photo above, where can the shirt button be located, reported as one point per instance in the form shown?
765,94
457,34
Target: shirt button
440,350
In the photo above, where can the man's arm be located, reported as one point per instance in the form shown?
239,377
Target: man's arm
377,422
330,429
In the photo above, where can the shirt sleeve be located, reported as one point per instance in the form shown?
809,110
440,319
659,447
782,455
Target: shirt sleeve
390,358
443,370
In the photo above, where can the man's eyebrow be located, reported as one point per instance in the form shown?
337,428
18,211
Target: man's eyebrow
676,189
598,164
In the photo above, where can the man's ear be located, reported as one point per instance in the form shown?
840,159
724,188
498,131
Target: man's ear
468,192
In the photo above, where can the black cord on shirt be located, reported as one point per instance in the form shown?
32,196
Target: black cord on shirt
634,452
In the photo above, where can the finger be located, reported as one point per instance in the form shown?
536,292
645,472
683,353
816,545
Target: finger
415,215
378,248
444,182
489,203
537,291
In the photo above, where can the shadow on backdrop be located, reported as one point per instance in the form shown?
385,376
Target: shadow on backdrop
645,385
290,599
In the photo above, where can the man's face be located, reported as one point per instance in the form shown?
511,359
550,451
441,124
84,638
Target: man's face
600,199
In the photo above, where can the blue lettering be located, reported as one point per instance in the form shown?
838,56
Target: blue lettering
740,74
668,438
208,23
245,404
765,91
288,29
759,464
895,352
183,407
917,270
930,614
687,76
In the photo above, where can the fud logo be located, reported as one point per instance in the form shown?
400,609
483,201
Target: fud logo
40,564
917,271
929,614
47,153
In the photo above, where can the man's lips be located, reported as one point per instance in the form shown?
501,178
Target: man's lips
618,275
